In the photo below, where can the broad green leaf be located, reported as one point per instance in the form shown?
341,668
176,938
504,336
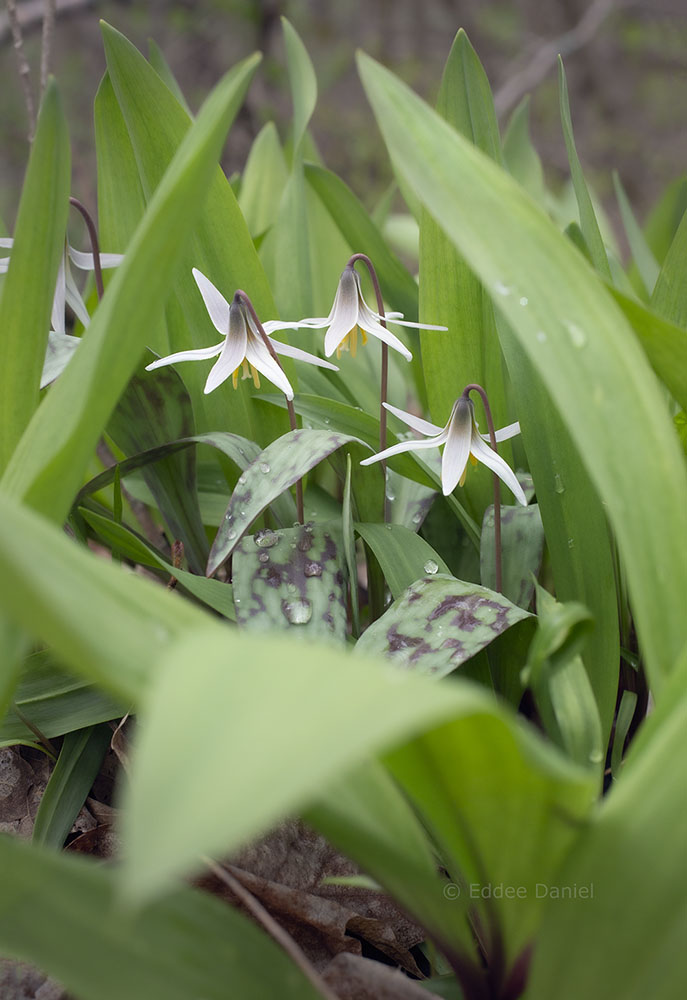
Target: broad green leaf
665,345
292,581
438,624
273,471
631,861
588,223
48,465
588,360
402,554
669,298
240,709
366,816
13,647
163,70
504,808
55,702
450,292
302,80
263,181
645,261
285,251
77,766
665,217
359,230
213,593
65,915
522,546
106,624
520,156
157,124
29,287
155,408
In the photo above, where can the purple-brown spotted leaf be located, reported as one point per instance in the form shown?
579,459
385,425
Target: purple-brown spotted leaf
439,623
273,471
293,580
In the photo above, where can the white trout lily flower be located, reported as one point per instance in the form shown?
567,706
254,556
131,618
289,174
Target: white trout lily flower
462,441
61,345
242,347
351,313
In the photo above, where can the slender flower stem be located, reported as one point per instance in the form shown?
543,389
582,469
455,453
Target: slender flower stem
497,483
93,235
385,362
245,300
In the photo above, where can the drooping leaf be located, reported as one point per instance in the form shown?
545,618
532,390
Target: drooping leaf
438,624
595,381
29,286
292,581
273,471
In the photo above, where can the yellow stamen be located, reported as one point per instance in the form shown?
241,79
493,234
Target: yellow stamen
354,341
246,370
461,481
256,377
473,460
235,378
363,335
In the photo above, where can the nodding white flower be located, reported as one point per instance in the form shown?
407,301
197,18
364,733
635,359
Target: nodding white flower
61,345
351,313
462,441
242,348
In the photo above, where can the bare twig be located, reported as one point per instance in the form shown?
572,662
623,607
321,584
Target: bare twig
269,924
24,68
31,14
46,40
531,69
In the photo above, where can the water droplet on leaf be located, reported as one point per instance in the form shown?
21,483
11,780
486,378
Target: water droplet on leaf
502,289
263,557
431,567
312,569
231,535
264,467
266,539
297,612
541,337
558,484
578,336
524,300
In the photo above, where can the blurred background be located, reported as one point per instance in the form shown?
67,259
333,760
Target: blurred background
626,64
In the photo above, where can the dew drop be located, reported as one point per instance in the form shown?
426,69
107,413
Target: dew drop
390,495
263,557
558,484
292,588
541,337
304,543
388,527
431,567
417,518
571,543
237,600
266,539
596,756
502,289
264,467
297,612
312,569
578,336
231,535
524,300
242,479
242,513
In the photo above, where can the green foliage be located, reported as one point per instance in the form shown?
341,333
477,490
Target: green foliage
457,757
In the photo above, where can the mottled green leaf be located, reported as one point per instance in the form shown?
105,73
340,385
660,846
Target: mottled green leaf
273,471
522,546
292,580
438,624
402,554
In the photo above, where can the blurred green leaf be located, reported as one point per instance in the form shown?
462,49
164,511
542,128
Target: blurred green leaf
187,945
263,181
644,260
522,546
77,766
594,372
520,156
29,286
302,80
402,554
163,70
588,223
669,298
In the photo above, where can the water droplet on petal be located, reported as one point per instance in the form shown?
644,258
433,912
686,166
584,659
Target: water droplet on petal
312,569
558,484
578,336
266,539
431,567
502,289
297,612
264,467
524,300
541,337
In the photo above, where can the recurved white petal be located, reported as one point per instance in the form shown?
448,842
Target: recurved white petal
6,242
504,433
344,319
57,315
458,437
417,423
215,303
487,456
261,359
402,446
201,354
73,297
84,261
298,355
368,323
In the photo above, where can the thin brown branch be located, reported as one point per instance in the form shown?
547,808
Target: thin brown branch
269,924
31,13
23,63
46,40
